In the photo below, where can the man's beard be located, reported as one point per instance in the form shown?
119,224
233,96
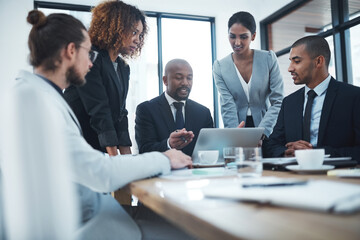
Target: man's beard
74,78
179,97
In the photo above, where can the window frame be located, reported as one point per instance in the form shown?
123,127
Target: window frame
340,32
159,16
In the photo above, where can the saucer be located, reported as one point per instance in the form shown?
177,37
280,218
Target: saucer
323,168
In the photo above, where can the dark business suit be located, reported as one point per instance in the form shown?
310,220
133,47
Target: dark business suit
99,105
339,128
155,121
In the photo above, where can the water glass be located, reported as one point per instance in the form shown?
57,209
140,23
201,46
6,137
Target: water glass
250,164
231,156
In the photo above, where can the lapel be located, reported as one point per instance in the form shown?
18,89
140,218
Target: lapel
326,109
166,113
112,73
124,81
190,116
259,67
294,115
232,80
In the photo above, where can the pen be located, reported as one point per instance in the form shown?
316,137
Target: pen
182,138
282,184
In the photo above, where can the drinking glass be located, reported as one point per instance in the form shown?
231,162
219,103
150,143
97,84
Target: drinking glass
250,165
231,156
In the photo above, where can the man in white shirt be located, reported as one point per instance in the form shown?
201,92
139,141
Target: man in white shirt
323,114
172,120
60,52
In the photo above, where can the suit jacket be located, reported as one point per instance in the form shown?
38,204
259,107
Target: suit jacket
265,96
93,171
154,122
339,128
100,103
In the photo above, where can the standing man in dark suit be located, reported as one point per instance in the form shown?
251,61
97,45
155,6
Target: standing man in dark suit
331,122
160,125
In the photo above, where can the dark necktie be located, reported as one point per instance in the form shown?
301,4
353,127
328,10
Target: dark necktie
307,115
179,118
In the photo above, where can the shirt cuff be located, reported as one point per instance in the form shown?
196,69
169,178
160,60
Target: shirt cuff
168,143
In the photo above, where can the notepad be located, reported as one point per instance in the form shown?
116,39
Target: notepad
319,195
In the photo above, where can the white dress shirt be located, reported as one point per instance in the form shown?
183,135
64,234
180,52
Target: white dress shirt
316,108
173,110
246,87
172,107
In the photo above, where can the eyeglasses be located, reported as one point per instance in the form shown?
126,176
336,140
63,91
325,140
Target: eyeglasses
92,54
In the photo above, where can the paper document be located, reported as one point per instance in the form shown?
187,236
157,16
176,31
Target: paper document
197,173
351,173
320,195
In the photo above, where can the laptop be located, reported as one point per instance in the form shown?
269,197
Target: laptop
218,138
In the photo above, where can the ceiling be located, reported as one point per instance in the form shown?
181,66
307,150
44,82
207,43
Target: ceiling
311,18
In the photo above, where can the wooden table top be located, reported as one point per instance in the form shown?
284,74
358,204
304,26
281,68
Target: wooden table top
215,218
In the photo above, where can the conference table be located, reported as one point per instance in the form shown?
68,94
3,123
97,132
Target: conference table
182,203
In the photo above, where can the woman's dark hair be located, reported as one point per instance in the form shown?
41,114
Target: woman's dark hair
51,34
245,19
113,23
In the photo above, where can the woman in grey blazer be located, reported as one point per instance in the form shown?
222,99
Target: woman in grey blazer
248,80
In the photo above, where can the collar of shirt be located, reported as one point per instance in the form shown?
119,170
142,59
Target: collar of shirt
171,100
319,89
51,84
172,107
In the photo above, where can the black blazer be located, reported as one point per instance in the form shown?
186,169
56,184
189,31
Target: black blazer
339,129
154,122
99,105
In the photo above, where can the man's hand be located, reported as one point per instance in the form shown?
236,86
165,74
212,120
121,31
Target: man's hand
241,125
124,150
292,146
178,159
180,138
112,151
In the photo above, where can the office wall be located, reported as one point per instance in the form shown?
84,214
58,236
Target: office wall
14,29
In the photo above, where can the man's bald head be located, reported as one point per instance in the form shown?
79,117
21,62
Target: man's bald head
174,64
178,79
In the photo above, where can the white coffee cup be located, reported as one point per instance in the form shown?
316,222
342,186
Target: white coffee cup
208,157
310,158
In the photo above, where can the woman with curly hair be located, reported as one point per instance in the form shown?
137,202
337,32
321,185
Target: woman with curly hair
116,29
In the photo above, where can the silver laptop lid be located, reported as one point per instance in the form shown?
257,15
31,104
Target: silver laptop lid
218,138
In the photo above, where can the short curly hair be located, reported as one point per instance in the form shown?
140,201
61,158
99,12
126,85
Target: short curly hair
112,25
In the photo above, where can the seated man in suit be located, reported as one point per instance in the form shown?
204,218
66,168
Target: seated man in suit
60,52
323,114
171,120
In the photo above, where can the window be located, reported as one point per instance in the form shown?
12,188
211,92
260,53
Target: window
355,54
170,36
191,40
336,20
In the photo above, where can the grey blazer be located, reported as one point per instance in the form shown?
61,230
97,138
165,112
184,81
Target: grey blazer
266,91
